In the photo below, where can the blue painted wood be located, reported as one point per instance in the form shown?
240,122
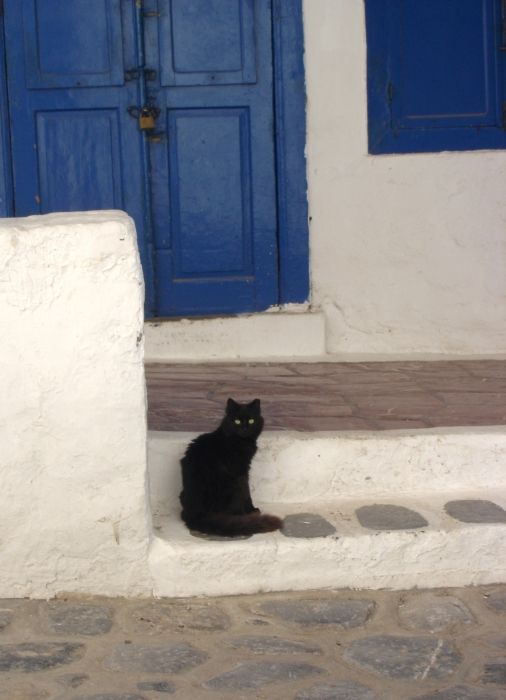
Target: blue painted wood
89,177
6,194
216,231
434,75
207,42
204,204
290,111
76,43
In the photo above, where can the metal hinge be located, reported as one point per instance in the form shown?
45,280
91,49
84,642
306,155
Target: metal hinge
504,116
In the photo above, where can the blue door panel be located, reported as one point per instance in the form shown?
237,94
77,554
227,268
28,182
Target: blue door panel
434,75
207,42
445,73
89,174
183,293
75,43
210,192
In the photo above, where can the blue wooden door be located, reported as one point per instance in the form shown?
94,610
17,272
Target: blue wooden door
201,186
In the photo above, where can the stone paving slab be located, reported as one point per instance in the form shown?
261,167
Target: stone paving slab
442,644
331,395
476,511
389,517
306,525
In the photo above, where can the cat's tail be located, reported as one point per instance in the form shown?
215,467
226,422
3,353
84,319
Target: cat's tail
226,525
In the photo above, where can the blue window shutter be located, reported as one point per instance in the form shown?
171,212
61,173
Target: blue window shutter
434,75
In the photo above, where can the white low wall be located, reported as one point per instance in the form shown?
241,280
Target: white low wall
73,483
407,251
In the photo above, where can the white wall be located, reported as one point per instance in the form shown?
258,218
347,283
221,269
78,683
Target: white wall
408,252
73,484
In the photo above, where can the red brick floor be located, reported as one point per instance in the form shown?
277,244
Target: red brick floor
331,396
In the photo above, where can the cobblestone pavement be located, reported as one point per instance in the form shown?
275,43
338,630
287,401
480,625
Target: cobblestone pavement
345,645
332,395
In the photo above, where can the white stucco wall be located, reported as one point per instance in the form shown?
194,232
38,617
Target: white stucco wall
408,252
73,507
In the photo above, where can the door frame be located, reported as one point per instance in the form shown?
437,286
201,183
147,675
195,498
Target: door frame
290,119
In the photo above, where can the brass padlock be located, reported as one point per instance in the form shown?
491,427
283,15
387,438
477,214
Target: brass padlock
146,119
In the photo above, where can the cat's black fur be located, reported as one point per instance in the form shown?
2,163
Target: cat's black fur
216,498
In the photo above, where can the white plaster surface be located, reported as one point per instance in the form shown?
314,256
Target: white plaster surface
408,251
73,479
296,467
269,335
332,474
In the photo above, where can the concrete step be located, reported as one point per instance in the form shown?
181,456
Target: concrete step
366,510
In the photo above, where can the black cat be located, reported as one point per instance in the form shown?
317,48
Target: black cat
216,498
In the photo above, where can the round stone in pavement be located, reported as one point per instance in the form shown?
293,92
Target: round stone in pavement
260,673
476,511
428,611
5,619
389,517
306,525
345,613
342,690
157,617
162,658
158,686
274,645
30,657
497,600
415,658
458,692
72,619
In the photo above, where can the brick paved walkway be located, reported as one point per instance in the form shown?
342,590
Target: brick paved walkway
331,396
361,645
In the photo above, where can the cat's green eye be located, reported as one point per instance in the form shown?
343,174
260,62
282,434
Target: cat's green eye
237,421
251,421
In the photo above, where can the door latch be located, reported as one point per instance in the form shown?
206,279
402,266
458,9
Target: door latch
146,116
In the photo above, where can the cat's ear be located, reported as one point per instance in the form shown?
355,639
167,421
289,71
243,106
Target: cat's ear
255,405
231,405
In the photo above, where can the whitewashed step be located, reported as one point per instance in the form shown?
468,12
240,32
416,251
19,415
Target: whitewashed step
334,476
